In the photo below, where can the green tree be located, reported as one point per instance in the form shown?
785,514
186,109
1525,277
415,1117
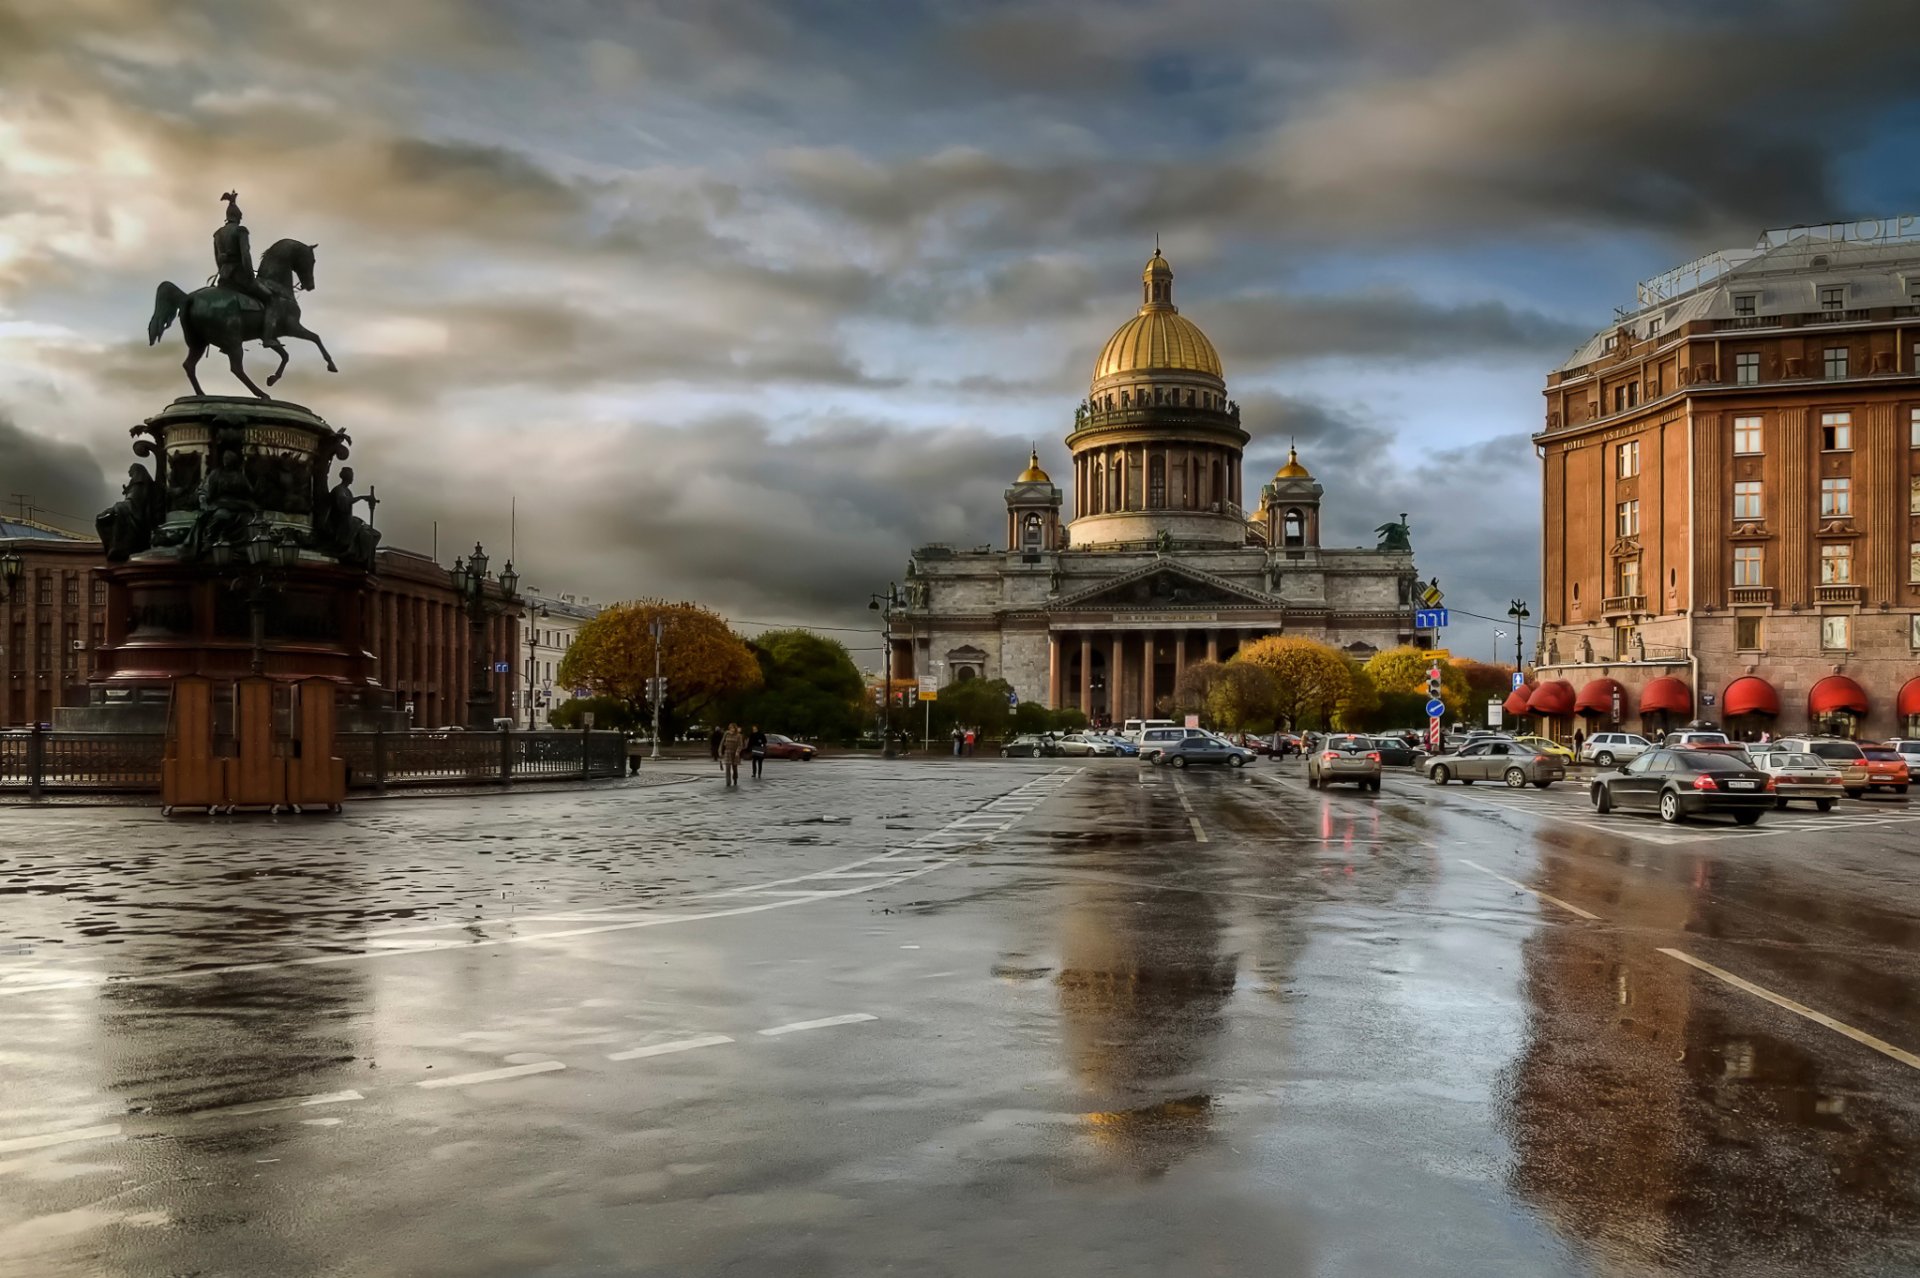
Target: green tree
972,703
809,687
1310,678
1241,697
703,660
1404,669
1359,710
1193,691
608,713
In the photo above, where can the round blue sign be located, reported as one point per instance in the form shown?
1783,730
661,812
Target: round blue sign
1436,709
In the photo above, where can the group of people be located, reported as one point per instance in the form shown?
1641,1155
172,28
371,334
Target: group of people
729,744
963,741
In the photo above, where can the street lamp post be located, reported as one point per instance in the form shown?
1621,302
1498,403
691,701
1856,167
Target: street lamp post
884,605
533,636
658,628
1519,614
470,582
11,566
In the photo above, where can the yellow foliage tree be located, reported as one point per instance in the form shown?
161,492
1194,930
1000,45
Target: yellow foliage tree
1309,677
701,658
1405,669
1243,698
1362,702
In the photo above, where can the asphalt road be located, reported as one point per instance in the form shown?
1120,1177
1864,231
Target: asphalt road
999,1018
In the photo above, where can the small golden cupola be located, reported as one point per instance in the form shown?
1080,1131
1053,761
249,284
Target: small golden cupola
1293,469
1033,474
1033,512
1290,506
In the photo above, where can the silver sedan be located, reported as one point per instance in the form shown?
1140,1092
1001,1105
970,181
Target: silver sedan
1497,760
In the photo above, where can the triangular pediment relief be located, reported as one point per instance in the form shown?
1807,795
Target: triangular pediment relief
1163,585
1625,548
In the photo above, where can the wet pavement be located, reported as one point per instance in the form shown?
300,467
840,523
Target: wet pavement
1050,1018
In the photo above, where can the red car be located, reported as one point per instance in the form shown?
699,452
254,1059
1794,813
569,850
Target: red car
779,747
1886,768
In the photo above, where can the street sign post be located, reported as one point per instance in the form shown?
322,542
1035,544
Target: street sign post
1436,709
1519,681
1496,713
501,667
1429,618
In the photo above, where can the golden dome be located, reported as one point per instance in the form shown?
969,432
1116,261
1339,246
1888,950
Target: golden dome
1158,338
1293,469
1033,474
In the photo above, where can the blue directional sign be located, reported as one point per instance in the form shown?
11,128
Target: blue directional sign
1436,709
1429,618
1013,698
1519,681
501,667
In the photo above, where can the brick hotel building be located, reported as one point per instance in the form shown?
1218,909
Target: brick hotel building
1732,497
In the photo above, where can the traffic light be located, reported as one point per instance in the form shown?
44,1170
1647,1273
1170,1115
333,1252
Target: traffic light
656,689
1433,681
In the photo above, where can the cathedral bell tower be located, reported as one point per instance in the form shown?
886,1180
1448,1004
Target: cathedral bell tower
1033,512
1289,514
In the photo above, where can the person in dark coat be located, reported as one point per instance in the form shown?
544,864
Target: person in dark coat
757,749
713,743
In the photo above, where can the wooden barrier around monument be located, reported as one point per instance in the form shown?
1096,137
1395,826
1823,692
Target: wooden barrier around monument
190,775
257,774
316,775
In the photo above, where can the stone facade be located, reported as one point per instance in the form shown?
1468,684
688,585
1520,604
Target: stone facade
1160,566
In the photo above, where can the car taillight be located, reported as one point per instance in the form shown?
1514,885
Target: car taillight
1331,754
1375,756
1705,781
1540,758
1767,784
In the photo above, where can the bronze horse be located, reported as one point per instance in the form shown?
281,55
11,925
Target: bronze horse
226,319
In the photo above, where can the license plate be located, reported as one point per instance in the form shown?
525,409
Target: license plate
1741,785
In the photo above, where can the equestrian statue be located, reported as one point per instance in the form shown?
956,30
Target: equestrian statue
239,305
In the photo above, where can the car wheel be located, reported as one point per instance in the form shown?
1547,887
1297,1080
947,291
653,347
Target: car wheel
1466,780
1313,782
1179,761
1602,800
1604,758
1541,785
1374,785
1780,804
1855,794
1438,775
1235,761
1825,805
1746,818
1516,778
1670,808
1900,789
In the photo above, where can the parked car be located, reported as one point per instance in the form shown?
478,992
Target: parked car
1203,748
1135,730
1799,775
1028,746
1909,748
1153,740
1344,758
1546,745
1886,768
781,747
1845,755
1608,748
1689,739
1682,783
1080,745
1396,753
1121,746
1498,759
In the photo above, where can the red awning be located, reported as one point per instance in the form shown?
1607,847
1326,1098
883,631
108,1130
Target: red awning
1836,692
1750,694
1517,699
1666,694
1553,697
1910,698
1598,696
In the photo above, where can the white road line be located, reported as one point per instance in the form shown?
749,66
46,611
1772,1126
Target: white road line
795,1027
48,1139
492,1075
1798,1009
268,1107
1569,907
667,1049
1199,835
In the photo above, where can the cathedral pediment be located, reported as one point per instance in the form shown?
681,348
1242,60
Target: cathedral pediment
1163,585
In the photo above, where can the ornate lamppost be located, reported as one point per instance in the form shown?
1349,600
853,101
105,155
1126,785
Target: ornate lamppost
1519,614
11,566
533,636
258,562
885,605
470,580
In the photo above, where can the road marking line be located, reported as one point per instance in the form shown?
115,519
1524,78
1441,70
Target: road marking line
1571,908
48,1139
1199,835
667,1049
492,1075
862,874
267,1107
1798,1009
795,1027
788,892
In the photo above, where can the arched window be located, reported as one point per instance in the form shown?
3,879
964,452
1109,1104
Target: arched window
1031,534
1293,529
1157,482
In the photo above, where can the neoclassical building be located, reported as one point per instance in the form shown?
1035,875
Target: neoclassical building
1161,564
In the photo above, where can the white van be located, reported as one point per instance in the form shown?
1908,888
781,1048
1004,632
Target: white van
1132,728
1154,737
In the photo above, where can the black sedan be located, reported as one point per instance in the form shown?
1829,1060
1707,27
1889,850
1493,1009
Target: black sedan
1682,783
1396,753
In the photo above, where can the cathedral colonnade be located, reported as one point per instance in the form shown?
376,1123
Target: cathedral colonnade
1121,672
1124,478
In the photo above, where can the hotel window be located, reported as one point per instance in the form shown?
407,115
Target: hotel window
1622,642
1746,633
1627,519
1629,454
1913,495
1836,565
1836,498
1836,361
1613,340
1836,632
1746,435
1746,566
1913,427
1746,499
1619,399
1629,576
1836,432
1653,327
1745,303
1833,299
1746,369
1913,562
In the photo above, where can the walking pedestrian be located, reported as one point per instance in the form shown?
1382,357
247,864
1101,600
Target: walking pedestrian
731,743
757,749
713,743
633,755
1579,739
969,743
959,740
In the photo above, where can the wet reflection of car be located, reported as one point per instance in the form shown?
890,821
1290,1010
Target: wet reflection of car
1683,783
1500,759
1345,759
1204,749
1799,775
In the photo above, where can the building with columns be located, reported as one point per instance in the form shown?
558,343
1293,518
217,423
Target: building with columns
1161,564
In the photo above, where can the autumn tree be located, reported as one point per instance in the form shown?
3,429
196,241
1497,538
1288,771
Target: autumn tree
1195,685
1485,680
1359,710
1242,697
1309,677
1404,670
702,659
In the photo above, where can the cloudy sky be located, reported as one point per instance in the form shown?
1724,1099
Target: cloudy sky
738,301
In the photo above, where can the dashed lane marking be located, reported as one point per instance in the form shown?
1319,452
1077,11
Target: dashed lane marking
1199,834
1798,1009
49,1139
268,1107
1554,900
668,1049
851,1018
492,1075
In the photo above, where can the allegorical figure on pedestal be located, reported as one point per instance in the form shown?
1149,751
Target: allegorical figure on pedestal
126,527
339,531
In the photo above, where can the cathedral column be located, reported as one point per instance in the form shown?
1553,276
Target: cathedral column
1054,672
1146,676
1179,657
1116,675
1086,675
1213,645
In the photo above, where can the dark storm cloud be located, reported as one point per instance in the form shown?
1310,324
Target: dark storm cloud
1252,332
61,481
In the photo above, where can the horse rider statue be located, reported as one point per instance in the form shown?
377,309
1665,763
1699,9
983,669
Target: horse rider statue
233,269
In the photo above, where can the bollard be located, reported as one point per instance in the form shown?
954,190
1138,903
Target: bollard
36,761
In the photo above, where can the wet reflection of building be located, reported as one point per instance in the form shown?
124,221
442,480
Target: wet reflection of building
1655,1119
1143,987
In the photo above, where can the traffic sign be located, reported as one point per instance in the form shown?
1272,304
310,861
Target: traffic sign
929,688
1429,618
1496,713
1013,698
1436,708
501,667
1519,681
1431,594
